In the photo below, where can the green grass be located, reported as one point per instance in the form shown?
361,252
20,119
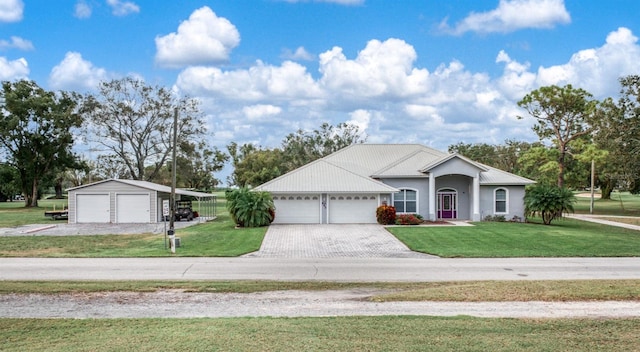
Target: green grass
564,238
360,333
621,203
216,238
15,213
468,291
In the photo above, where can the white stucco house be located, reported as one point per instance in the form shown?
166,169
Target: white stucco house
348,185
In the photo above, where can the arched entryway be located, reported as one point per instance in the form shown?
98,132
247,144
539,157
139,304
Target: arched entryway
447,203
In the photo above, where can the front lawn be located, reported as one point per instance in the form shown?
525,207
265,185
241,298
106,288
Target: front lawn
216,238
564,238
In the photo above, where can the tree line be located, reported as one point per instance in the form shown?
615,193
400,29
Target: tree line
127,126
574,130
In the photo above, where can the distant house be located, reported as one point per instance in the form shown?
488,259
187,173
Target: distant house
348,185
126,201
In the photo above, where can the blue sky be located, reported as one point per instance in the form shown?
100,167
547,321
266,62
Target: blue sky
430,72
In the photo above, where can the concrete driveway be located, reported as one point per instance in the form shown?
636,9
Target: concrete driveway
333,241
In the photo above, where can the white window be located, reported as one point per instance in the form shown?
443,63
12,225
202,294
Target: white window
501,204
406,201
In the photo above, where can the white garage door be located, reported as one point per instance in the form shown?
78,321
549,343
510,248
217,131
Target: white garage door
92,208
297,209
352,209
132,208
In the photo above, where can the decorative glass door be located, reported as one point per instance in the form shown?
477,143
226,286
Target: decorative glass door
447,204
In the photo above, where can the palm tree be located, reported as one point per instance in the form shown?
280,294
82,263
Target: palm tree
550,202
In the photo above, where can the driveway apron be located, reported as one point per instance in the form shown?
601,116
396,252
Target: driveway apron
333,241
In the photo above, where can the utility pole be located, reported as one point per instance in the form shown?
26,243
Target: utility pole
172,216
593,186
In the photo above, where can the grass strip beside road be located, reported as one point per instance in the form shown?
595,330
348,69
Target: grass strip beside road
474,291
218,238
563,238
360,333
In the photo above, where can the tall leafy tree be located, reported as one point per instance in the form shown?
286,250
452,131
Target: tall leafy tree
36,133
619,135
133,121
197,165
563,115
303,147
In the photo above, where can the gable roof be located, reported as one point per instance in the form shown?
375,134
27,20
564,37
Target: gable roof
359,167
148,185
322,176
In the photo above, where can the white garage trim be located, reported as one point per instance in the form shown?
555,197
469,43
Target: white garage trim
353,208
297,208
93,208
133,208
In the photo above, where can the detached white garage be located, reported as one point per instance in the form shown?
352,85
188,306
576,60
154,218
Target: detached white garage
127,201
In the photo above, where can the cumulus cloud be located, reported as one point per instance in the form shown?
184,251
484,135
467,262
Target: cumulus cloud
12,70
381,90
257,112
262,82
595,69
76,73
204,38
82,10
300,54
122,8
380,69
16,43
512,15
11,10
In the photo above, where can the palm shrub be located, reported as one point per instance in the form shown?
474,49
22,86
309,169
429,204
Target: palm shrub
550,202
250,209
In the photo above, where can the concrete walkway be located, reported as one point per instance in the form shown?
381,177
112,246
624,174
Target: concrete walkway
598,219
333,241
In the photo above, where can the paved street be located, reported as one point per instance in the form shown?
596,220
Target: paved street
319,269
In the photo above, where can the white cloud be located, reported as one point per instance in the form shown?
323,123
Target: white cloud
597,69
12,70
257,112
11,10
289,82
202,39
512,15
300,54
17,43
74,73
123,8
380,69
360,118
82,10
382,91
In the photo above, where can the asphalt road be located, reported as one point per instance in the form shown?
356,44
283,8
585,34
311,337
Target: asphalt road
319,269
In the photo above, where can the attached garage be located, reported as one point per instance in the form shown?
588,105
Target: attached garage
297,209
129,201
93,208
352,208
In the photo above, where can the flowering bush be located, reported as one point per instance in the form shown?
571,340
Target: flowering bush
408,219
386,215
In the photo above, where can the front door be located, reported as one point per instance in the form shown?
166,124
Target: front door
447,205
